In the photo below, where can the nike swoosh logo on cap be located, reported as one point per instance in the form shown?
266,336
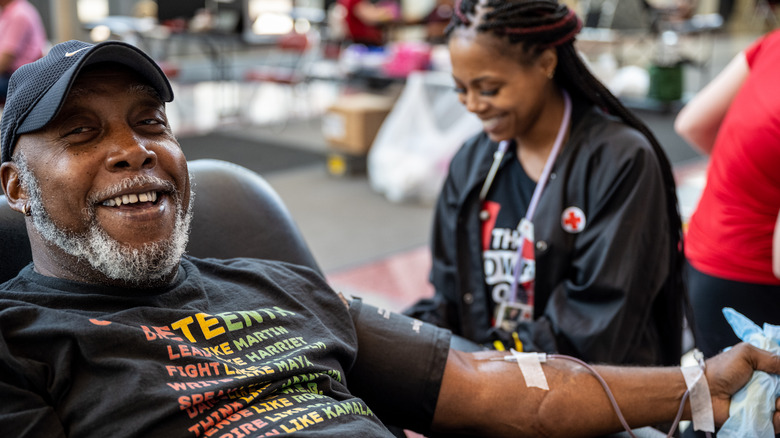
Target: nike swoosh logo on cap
69,54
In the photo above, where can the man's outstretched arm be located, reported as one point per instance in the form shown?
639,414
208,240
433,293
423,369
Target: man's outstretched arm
491,398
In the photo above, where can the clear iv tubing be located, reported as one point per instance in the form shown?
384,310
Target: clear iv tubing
612,397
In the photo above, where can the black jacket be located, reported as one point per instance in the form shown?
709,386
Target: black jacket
604,294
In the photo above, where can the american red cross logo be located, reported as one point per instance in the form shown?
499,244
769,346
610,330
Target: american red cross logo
573,220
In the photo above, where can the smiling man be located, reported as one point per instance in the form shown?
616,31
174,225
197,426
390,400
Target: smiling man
121,232
100,221
112,331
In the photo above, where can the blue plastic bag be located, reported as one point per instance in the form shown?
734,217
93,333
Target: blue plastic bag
750,413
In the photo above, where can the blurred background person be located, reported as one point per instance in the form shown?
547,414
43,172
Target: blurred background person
22,38
437,20
365,20
729,243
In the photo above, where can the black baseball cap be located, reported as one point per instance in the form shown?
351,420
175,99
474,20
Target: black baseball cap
36,91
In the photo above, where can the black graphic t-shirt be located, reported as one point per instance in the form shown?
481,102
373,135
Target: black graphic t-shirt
233,348
505,205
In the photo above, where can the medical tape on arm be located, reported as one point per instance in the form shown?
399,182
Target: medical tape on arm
699,390
531,366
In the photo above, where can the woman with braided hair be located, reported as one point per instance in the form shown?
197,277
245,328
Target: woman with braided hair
557,228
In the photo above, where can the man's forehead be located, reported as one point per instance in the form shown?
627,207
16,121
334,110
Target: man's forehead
114,83
105,77
87,89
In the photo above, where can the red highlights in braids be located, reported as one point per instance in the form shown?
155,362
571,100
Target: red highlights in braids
463,18
568,20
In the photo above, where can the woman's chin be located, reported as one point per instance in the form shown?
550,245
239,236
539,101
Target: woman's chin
497,136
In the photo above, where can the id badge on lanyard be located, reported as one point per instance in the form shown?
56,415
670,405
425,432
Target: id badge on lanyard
520,305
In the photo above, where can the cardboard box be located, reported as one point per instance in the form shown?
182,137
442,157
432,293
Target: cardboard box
352,122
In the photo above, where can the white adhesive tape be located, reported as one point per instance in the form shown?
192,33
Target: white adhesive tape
699,394
531,367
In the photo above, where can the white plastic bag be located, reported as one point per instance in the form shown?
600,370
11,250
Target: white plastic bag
410,156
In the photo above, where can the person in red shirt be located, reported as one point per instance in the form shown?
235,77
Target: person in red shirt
365,19
729,244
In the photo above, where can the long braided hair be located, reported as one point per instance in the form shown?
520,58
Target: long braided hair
533,26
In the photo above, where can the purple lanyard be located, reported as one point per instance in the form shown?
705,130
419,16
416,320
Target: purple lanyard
551,158
499,155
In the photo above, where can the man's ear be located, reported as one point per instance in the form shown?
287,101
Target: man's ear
12,186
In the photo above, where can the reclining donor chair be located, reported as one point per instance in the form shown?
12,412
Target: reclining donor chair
236,213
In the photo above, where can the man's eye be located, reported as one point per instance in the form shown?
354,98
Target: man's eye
153,122
492,92
77,131
459,90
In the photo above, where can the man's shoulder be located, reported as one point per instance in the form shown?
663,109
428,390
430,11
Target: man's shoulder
230,268
18,281
258,279
244,263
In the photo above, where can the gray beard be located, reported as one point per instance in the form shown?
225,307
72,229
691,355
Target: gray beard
146,265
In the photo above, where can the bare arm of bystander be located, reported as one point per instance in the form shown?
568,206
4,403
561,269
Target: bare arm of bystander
699,120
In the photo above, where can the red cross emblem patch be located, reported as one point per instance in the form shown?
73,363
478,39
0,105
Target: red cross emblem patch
573,220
